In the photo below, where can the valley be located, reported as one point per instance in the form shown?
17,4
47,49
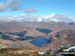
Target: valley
37,28
43,35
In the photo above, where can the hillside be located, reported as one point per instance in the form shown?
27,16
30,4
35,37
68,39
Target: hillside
32,34
61,38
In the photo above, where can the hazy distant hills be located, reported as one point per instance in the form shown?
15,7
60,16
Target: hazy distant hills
47,34
19,26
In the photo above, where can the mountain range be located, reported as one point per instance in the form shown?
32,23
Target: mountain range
51,32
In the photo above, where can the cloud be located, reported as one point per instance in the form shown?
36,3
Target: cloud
50,15
16,8
9,4
2,6
31,10
2,10
43,18
12,3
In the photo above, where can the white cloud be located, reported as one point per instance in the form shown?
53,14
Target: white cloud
2,5
9,4
50,16
39,19
32,18
73,19
30,10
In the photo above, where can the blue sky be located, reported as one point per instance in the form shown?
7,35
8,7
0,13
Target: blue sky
42,7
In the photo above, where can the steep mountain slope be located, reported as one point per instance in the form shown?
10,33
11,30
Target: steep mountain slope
61,38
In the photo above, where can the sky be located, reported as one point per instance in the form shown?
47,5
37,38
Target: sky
37,7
